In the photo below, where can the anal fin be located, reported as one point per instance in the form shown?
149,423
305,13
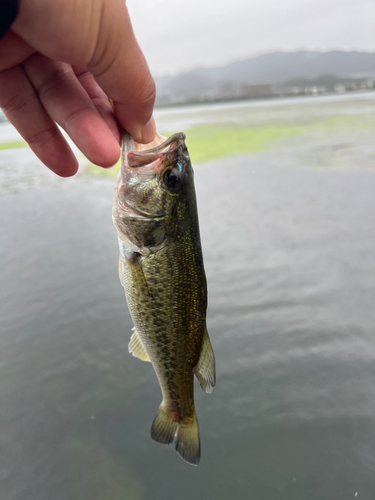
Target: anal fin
137,348
204,370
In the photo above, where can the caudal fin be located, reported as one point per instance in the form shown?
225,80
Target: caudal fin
187,442
164,429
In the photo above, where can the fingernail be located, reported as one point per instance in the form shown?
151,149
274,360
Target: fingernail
148,131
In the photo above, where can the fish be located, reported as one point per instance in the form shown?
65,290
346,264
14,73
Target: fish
161,269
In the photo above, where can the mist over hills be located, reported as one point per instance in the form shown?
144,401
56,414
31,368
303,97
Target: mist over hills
276,68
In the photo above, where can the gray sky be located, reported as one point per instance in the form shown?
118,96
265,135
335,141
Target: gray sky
178,35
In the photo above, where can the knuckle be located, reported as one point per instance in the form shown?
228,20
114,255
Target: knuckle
15,103
75,116
101,101
149,94
57,79
43,136
146,93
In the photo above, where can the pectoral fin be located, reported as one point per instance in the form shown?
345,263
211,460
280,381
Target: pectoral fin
205,368
120,270
137,348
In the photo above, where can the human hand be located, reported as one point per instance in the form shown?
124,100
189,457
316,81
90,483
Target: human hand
61,62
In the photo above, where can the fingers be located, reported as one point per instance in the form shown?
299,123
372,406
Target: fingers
23,109
99,99
96,34
69,105
13,50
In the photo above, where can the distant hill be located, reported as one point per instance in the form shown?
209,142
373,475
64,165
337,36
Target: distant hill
327,81
276,68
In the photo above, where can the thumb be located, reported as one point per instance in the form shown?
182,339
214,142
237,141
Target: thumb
120,68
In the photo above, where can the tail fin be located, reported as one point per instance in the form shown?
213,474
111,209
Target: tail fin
164,428
187,443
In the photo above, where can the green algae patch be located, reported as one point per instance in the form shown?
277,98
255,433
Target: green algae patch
210,143
96,474
12,145
207,142
249,131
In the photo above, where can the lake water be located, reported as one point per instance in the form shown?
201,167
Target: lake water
289,244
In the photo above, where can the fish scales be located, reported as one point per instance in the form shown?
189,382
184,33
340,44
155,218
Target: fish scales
161,269
164,312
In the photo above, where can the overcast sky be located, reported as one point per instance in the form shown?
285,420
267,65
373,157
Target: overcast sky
179,35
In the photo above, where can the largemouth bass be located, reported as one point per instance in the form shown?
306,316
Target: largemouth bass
161,269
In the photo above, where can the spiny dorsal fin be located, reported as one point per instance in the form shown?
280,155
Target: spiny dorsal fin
137,348
205,368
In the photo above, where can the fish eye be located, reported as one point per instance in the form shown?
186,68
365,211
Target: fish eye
172,178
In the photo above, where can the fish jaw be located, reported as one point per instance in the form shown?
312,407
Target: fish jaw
136,155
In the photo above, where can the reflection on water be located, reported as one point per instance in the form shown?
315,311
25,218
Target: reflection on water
289,256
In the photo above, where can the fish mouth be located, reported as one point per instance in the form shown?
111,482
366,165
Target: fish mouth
135,155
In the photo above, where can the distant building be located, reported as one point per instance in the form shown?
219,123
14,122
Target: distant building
227,90
340,89
257,91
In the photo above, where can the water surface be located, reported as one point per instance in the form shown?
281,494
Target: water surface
288,238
